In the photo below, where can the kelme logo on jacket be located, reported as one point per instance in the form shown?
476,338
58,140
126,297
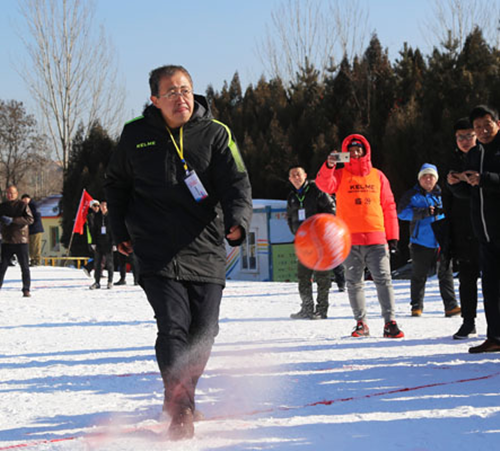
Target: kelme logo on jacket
146,144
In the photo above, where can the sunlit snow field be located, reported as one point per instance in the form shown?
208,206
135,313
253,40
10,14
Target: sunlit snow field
77,372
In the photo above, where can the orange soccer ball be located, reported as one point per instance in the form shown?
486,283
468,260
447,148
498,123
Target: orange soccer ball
322,242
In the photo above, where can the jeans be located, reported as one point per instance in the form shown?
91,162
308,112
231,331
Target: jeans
376,258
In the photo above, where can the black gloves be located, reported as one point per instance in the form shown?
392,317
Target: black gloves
435,211
393,247
7,220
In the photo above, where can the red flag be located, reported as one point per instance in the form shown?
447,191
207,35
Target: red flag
81,214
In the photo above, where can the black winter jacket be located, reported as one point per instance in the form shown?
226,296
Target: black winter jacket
149,202
312,199
485,198
37,226
99,223
463,242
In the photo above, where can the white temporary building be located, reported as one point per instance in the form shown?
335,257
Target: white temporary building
267,253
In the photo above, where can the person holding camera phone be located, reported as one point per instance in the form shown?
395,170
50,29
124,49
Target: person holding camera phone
422,206
482,187
464,246
366,203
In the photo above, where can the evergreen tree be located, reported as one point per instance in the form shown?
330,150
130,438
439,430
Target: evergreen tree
306,116
341,105
376,86
409,72
87,164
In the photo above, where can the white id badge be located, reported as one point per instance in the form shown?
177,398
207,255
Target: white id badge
103,230
195,186
302,214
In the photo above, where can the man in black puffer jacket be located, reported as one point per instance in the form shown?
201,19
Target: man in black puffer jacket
481,181
306,200
464,247
177,187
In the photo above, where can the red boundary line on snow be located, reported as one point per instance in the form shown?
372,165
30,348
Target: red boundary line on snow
255,412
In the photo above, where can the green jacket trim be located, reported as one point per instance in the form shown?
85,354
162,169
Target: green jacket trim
135,119
233,147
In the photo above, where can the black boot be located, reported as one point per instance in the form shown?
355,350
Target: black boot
303,313
320,314
467,329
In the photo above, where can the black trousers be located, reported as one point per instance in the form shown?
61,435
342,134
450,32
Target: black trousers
490,268
423,259
22,253
123,260
101,255
468,275
187,317
339,273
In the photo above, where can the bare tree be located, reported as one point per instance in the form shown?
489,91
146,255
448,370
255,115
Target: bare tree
71,70
21,147
311,32
451,21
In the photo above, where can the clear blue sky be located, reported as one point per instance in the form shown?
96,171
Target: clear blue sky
212,38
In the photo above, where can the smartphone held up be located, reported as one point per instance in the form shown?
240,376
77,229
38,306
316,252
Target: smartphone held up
340,157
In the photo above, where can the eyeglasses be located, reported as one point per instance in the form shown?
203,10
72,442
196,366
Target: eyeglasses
467,137
171,95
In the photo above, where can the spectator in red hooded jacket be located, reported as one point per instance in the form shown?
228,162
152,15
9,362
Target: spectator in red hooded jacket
366,203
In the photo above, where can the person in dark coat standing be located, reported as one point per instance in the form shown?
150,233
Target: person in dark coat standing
102,245
464,247
177,188
481,182
15,218
35,231
304,201
93,210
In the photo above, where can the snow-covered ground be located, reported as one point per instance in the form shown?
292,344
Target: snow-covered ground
77,372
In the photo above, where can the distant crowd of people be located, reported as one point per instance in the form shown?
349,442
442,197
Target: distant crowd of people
21,231
177,187
457,228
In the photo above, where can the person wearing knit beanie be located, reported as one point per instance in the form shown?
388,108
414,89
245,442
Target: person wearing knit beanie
428,168
422,207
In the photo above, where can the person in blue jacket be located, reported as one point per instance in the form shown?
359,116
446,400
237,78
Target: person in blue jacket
422,205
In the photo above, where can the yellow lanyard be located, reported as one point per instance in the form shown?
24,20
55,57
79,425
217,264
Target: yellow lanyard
179,148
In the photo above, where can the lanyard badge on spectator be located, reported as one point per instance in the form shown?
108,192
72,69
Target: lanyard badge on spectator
191,180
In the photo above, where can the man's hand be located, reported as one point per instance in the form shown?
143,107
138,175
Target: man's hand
125,247
434,211
235,233
473,177
393,247
331,161
453,178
